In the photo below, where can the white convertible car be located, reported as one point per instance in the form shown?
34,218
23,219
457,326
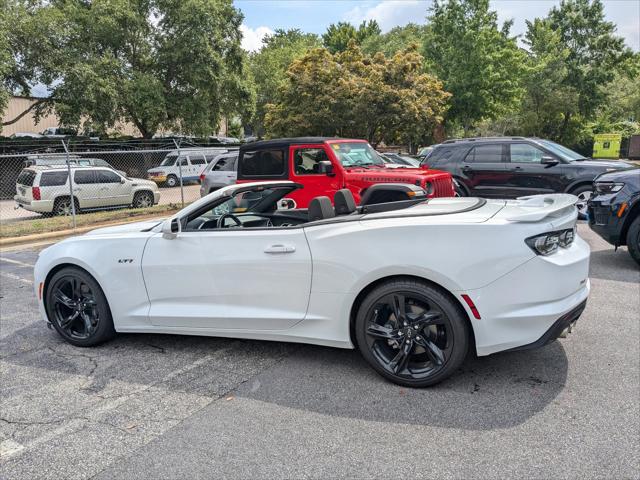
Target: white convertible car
413,284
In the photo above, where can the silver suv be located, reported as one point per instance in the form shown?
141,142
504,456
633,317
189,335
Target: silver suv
45,189
222,171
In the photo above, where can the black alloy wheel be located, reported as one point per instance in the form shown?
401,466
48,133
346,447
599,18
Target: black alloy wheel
411,333
77,308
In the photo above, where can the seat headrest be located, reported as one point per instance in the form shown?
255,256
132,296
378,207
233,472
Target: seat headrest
344,202
320,208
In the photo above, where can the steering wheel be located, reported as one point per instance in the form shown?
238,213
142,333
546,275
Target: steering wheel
223,217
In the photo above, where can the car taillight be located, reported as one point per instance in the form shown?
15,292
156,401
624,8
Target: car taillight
202,177
35,192
548,243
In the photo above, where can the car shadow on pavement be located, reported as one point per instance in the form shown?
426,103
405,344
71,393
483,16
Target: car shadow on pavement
614,265
492,392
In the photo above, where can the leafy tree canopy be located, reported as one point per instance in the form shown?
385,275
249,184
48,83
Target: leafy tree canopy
338,35
396,39
157,63
351,94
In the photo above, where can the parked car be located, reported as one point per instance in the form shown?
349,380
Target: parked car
614,209
399,159
463,274
326,165
190,162
221,171
61,159
45,189
222,139
424,152
59,132
511,167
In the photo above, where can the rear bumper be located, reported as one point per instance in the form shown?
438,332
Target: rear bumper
38,206
520,308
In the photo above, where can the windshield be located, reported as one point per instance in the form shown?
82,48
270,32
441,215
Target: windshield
168,161
356,154
563,152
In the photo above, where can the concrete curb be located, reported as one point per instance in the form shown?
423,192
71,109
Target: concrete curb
40,237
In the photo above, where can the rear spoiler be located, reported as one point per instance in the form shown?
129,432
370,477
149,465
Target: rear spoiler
537,207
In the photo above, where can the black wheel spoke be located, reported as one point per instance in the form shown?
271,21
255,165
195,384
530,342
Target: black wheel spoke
399,307
380,331
401,360
425,319
66,323
435,353
88,326
63,299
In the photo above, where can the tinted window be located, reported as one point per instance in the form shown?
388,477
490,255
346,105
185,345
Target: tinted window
485,154
26,177
440,154
53,179
525,153
84,176
105,176
263,163
197,161
306,160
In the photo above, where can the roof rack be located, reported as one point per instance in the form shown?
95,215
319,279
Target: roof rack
475,139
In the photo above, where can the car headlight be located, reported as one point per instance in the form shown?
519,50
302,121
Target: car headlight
548,243
609,187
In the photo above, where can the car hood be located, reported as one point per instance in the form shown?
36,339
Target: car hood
140,181
403,175
126,228
620,176
615,164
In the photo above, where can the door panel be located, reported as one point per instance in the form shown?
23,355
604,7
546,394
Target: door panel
109,189
85,188
303,167
527,175
228,279
483,171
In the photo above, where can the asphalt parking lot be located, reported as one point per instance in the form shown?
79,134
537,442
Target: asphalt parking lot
156,406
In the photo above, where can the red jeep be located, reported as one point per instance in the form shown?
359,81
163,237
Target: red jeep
326,165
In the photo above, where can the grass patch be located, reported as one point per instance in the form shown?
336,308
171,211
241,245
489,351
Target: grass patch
21,228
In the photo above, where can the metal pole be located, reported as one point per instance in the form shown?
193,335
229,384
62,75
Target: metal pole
71,199
180,171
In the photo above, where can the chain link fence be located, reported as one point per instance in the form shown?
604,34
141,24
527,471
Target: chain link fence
47,185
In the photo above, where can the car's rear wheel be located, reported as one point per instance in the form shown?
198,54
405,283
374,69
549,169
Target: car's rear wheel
77,308
584,194
411,332
633,239
143,200
172,181
62,206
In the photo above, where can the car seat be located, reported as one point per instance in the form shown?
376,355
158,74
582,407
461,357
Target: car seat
344,202
320,208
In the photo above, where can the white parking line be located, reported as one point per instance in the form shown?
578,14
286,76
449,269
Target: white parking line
15,262
16,277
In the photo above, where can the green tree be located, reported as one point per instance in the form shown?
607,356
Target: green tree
595,52
479,63
395,40
157,63
338,35
268,67
351,94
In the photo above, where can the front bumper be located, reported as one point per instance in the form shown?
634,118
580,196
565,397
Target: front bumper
519,308
603,218
159,179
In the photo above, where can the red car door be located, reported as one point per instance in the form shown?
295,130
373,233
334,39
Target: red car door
304,168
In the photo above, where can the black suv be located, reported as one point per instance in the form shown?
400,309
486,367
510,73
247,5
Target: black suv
511,167
614,209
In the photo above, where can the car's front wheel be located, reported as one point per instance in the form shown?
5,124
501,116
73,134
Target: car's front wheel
633,239
77,308
143,200
411,332
584,194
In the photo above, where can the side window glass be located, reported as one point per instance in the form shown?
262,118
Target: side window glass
83,177
307,160
197,160
264,163
53,179
105,176
182,162
485,154
220,164
525,153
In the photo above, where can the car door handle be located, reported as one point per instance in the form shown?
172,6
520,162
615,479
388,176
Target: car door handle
515,169
467,169
280,249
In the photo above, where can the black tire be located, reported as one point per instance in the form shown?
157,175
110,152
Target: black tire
62,206
633,239
381,337
460,190
171,181
583,193
81,300
143,199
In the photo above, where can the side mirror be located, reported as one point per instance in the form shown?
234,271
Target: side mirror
325,166
549,161
122,181
171,227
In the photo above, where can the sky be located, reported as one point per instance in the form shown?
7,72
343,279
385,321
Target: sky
314,16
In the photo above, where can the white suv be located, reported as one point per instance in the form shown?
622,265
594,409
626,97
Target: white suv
45,189
192,162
